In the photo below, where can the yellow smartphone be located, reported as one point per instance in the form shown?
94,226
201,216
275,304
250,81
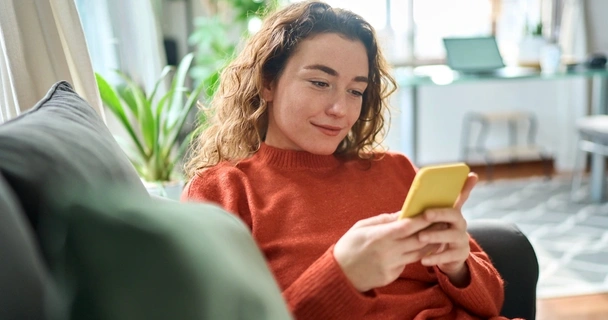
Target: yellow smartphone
434,187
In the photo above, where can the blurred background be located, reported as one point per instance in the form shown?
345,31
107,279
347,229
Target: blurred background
141,37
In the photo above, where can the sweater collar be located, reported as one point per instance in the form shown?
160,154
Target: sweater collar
295,159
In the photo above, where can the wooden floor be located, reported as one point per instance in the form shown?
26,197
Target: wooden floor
590,307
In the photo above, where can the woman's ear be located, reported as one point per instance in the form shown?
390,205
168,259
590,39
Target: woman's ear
268,91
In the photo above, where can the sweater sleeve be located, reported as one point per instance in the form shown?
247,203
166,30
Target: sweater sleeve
226,187
324,292
484,295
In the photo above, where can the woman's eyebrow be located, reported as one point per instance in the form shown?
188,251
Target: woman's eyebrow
333,72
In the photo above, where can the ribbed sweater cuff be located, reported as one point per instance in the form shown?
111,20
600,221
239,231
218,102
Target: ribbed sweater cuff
324,292
480,294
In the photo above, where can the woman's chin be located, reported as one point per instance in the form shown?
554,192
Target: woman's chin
322,150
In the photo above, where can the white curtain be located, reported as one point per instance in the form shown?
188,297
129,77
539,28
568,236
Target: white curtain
41,42
124,35
573,30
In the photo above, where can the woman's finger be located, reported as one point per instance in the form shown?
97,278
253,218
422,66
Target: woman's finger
466,190
417,255
453,217
445,257
451,236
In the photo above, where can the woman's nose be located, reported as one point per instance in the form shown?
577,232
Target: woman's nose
338,106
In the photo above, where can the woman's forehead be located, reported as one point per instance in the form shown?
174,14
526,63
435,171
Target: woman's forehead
332,48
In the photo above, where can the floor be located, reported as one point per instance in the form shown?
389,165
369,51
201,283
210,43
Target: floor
590,307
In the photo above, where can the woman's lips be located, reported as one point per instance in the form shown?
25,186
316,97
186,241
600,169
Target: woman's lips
329,130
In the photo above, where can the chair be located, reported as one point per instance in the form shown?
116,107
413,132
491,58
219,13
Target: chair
593,138
514,150
514,258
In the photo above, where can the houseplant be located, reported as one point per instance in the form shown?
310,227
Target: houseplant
153,122
216,36
530,46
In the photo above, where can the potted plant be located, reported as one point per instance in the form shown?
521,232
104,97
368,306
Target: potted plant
153,124
531,45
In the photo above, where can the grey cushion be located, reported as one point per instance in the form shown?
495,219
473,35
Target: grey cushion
60,139
131,259
113,251
23,278
594,127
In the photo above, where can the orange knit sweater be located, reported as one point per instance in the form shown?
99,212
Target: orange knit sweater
298,205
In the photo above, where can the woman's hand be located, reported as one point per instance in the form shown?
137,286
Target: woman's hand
374,252
452,237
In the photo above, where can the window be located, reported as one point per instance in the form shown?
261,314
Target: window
436,19
432,20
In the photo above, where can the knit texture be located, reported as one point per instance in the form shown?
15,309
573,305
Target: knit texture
298,205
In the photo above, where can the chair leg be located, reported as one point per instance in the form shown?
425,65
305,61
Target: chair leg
547,166
577,176
489,168
464,139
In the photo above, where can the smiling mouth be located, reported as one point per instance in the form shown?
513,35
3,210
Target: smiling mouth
329,130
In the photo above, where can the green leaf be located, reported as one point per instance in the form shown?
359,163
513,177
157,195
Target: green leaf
160,115
183,116
111,100
146,118
134,92
181,150
161,138
211,84
162,77
127,96
177,100
149,127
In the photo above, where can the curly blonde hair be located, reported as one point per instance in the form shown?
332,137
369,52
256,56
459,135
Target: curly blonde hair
238,114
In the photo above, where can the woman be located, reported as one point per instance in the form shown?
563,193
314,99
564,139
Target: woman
293,150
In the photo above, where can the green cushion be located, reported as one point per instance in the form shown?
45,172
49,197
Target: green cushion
59,139
126,258
23,279
112,251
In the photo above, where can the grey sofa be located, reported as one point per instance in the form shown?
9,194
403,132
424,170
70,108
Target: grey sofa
80,238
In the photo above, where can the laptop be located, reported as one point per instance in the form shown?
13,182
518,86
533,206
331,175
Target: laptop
476,55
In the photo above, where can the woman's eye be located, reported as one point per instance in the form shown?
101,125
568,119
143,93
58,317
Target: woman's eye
357,93
320,84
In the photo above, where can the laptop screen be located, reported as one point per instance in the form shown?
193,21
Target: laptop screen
479,54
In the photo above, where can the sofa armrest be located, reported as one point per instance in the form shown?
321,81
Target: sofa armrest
515,259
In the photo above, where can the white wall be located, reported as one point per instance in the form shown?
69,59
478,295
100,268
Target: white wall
556,103
597,25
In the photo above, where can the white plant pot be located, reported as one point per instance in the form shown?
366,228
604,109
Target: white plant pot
530,48
169,189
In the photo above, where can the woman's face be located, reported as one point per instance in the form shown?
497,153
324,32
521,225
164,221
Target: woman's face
317,99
